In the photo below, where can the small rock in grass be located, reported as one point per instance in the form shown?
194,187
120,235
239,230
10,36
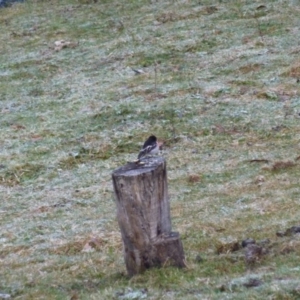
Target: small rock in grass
198,258
253,282
247,242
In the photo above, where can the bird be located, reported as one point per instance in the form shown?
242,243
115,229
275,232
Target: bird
150,147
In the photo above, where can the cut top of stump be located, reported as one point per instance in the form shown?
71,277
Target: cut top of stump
137,168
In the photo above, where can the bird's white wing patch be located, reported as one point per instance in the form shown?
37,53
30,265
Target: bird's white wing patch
146,150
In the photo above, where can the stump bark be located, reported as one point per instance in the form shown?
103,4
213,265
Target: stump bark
143,214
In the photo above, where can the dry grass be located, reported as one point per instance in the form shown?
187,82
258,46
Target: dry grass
218,84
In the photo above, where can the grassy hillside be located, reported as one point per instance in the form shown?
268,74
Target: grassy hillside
219,85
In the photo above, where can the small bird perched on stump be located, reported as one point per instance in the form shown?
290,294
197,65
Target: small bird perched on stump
150,147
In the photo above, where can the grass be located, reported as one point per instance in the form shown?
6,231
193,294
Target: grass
219,88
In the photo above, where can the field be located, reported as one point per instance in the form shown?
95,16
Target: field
84,83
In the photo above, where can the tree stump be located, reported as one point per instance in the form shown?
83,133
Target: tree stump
143,214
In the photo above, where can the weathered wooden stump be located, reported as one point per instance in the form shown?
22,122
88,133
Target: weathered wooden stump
143,213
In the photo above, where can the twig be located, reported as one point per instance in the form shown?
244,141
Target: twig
259,29
155,78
